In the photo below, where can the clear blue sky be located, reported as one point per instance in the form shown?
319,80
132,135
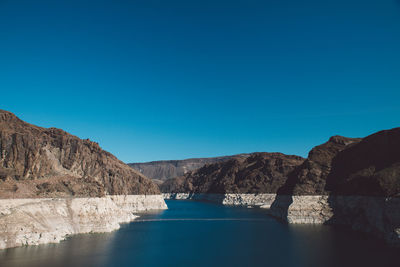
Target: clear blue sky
153,80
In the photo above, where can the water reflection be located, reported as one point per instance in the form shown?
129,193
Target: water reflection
204,234
331,246
79,250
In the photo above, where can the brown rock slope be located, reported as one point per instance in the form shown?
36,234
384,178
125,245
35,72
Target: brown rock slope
40,162
370,167
350,166
360,181
310,177
258,173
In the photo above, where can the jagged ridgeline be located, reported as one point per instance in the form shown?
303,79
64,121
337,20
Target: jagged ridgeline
40,162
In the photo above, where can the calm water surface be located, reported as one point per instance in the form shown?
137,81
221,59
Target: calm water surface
193,233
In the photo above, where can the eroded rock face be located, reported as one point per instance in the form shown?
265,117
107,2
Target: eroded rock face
39,162
258,173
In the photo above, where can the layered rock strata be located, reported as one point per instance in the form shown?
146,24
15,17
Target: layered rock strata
50,220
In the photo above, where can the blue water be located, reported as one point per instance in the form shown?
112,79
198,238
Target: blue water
194,233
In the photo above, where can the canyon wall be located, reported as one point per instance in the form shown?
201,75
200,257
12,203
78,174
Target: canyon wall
54,184
347,181
257,173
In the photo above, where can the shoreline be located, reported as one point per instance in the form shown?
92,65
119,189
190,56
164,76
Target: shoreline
260,200
379,216
50,220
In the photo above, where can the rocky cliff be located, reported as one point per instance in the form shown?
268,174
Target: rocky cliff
163,170
40,162
257,173
350,166
368,168
354,182
310,177
53,184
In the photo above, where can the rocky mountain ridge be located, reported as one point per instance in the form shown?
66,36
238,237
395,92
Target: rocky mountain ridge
163,170
367,166
41,162
257,173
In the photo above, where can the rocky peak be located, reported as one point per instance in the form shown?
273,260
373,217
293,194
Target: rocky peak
6,115
324,153
40,162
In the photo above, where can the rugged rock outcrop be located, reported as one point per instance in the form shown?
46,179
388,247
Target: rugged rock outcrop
163,170
368,168
257,173
346,181
40,162
350,166
53,184
310,177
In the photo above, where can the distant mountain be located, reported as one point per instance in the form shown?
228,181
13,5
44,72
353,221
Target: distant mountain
256,173
40,162
163,170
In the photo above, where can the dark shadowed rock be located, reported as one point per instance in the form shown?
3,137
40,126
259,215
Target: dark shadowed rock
258,173
370,167
349,182
310,177
40,162
350,166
